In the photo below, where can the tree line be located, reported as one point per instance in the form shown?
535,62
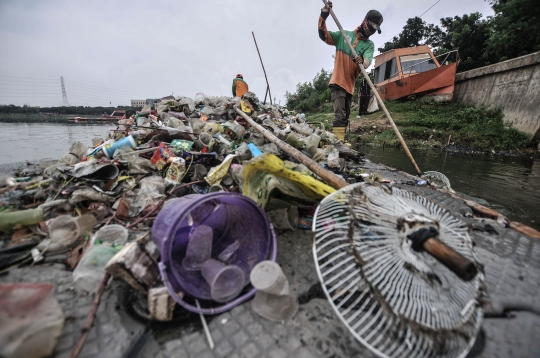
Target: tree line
73,110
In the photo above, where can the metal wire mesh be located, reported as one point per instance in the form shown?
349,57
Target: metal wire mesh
437,179
396,301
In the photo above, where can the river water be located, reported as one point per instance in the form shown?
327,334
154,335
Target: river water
508,184
31,141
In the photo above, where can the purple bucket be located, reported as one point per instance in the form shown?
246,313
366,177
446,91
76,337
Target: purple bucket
233,218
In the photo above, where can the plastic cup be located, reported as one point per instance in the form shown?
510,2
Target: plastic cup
256,138
285,219
65,230
199,248
227,180
199,172
226,282
293,140
274,308
114,234
215,188
312,143
273,299
267,276
207,140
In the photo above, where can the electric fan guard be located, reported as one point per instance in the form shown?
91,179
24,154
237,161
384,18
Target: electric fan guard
374,316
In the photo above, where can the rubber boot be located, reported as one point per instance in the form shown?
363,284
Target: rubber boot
339,133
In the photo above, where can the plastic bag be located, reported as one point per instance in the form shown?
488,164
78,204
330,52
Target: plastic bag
270,148
152,188
266,173
162,156
197,125
217,173
90,271
31,320
199,99
87,194
333,158
176,170
212,128
183,101
179,145
174,122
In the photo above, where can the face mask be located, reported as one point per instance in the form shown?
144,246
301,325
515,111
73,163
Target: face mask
365,30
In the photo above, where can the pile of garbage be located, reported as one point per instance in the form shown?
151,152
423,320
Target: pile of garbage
176,201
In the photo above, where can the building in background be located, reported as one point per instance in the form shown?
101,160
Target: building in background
138,103
152,101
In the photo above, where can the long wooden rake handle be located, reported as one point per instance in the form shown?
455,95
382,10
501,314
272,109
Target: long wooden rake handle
333,180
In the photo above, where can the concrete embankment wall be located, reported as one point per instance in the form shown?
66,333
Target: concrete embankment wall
513,85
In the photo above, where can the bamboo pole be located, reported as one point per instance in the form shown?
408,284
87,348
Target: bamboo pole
262,64
329,177
379,100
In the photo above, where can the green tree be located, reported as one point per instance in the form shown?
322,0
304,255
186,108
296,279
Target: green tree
469,34
309,96
413,34
416,33
516,29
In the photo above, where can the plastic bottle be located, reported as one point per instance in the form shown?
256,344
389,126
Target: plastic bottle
22,217
90,271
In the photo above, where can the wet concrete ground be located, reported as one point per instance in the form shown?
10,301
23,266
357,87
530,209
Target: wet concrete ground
512,267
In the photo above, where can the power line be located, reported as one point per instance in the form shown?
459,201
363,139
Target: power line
429,8
31,78
31,81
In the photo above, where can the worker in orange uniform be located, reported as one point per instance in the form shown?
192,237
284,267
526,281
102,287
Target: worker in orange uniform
345,65
239,86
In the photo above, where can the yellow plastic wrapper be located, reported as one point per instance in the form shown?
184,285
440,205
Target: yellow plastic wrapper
216,174
266,173
246,107
212,128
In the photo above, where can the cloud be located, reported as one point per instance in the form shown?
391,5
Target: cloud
114,51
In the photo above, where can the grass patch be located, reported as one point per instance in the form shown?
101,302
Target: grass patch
480,128
325,118
427,124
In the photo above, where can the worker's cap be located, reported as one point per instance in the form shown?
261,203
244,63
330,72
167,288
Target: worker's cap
375,19
239,76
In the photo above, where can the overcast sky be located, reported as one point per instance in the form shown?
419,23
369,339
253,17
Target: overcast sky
115,51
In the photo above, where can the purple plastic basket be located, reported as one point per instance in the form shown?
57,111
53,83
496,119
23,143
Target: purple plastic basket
232,217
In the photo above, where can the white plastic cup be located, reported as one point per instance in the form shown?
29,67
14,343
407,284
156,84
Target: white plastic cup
273,299
226,282
284,219
267,276
199,248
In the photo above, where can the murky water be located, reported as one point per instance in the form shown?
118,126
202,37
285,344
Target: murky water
507,184
32,141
